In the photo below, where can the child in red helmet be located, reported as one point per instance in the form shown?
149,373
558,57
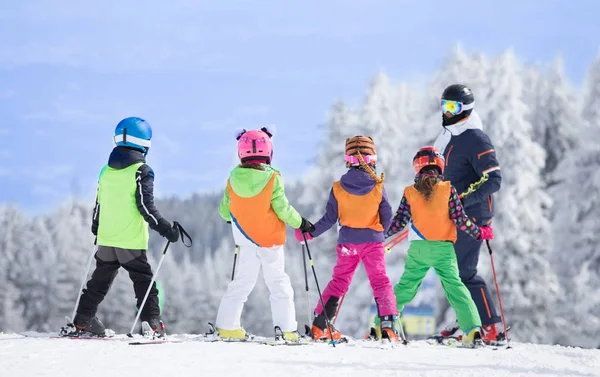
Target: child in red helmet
255,204
436,212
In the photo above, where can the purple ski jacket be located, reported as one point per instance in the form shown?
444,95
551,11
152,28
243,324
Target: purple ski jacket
355,182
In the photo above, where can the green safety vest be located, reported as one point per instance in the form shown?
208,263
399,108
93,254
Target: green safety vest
121,224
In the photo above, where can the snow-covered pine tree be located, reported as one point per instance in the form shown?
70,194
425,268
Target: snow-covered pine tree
341,124
528,285
11,306
591,102
555,117
576,253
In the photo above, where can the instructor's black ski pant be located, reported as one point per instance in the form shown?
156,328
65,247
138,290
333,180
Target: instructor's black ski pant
467,255
108,262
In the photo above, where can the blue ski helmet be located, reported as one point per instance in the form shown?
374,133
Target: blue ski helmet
133,132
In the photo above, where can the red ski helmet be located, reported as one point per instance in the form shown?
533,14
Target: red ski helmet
428,156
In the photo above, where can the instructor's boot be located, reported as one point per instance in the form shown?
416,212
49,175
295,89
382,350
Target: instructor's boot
490,334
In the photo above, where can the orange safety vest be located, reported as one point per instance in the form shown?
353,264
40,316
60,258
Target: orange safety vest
255,217
359,212
431,218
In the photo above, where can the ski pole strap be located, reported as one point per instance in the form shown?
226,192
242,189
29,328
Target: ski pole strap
474,186
183,234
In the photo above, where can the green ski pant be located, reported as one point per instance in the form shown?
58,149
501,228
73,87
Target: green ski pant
440,255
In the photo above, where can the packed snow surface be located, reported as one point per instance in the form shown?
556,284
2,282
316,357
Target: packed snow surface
37,355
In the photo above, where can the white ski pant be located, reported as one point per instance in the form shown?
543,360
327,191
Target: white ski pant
250,259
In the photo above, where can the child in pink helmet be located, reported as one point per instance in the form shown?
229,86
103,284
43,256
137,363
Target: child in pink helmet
255,204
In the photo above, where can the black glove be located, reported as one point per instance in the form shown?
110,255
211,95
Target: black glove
165,229
306,226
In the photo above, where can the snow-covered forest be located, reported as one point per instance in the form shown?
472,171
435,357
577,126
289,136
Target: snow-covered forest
547,137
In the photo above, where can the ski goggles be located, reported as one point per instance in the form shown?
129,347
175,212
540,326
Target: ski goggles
455,107
353,160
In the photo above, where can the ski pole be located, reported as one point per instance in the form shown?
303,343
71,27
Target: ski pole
162,258
308,311
404,340
487,242
137,316
337,311
83,280
237,249
396,241
312,265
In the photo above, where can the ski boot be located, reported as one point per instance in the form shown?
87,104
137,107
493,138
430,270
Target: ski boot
237,335
286,336
472,338
320,331
491,336
374,334
388,329
153,328
449,331
84,326
323,335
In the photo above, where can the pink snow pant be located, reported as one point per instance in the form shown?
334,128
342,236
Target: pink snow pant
372,256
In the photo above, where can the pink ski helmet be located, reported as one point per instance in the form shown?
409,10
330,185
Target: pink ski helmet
255,145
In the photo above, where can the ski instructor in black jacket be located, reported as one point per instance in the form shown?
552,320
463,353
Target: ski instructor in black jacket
470,156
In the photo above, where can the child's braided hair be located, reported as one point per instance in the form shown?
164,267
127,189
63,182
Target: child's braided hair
359,146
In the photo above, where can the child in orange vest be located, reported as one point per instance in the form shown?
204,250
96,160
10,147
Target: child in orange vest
436,211
256,205
360,202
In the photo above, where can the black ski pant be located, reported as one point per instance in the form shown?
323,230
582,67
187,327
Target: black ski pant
108,262
467,254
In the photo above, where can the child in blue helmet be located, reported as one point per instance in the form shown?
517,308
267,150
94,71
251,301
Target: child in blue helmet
124,209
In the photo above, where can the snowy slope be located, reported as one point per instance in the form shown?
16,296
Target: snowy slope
21,356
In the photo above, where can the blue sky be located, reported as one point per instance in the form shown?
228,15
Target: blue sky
198,70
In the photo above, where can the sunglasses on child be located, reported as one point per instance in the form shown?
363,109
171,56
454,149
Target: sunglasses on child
455,107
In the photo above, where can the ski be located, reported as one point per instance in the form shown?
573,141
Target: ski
455,342
282,343
54,336
155,341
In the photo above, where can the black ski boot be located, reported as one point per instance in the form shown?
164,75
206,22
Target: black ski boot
91,325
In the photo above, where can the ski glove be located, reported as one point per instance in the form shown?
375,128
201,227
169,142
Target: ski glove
486,233
299,238
165,229
306,226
